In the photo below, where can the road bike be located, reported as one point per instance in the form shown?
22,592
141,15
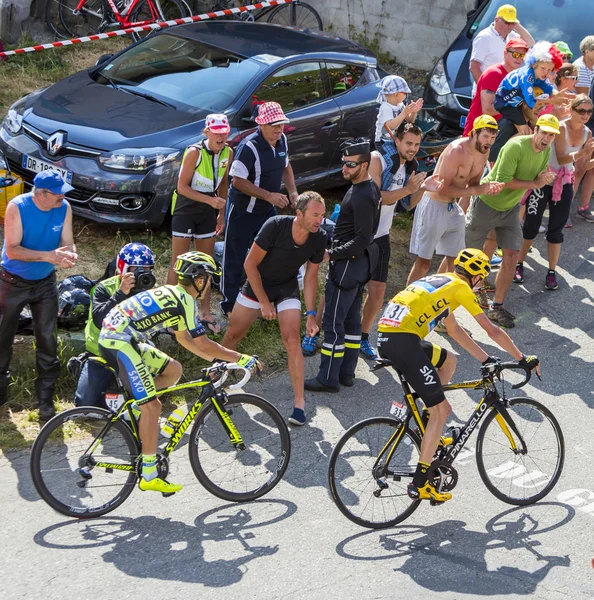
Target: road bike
519,452
86,461
295,14
79,18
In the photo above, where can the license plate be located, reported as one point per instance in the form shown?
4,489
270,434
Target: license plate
462,122
39,166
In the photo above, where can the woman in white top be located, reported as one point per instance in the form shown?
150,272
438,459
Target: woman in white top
573,142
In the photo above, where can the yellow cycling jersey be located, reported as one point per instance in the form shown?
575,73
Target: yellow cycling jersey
424,303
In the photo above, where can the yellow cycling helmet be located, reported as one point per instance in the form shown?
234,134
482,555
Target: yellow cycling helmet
191,265
473,262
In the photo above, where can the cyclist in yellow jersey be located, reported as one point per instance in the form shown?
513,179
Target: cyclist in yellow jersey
409,317
142,368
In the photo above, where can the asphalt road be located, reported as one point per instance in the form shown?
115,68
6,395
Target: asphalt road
294,543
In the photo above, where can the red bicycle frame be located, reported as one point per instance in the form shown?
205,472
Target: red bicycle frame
122,19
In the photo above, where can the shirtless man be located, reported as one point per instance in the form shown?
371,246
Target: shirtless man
439,220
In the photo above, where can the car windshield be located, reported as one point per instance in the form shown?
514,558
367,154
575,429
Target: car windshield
552,20
183,72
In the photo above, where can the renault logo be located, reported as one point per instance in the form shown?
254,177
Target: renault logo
55,142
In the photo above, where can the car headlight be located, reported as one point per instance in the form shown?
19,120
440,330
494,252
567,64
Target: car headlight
138,159
439,82
13,121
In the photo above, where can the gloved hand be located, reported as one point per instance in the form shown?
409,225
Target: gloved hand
530,362
250,362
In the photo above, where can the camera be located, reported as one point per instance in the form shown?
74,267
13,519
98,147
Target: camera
144,280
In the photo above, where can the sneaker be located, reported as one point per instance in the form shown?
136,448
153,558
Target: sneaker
519,275
298,417
501,316
367,350
585,214
499,252
482,297
427,492
496,260
569,224
551,281
309,345
542,229
159,485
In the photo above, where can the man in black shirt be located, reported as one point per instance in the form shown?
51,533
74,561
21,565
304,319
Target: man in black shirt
353,258
283,244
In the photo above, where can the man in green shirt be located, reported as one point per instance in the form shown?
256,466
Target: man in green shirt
521,165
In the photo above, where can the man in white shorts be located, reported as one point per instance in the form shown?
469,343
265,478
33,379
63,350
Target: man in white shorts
404,186
439,222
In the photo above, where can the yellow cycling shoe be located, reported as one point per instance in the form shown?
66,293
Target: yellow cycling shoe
427,492
159,485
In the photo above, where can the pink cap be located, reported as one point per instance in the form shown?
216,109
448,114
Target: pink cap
217,123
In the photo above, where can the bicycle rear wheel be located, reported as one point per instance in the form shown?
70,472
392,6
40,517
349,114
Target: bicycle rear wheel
369,494
75,480
240,474
87,22
297,14
52,18
516,478
166,10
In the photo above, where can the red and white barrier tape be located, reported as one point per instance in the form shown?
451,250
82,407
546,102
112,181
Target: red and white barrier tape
120,32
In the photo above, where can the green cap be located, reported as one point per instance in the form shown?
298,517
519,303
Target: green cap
564,49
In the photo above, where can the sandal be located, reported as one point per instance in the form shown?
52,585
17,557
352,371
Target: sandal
211,326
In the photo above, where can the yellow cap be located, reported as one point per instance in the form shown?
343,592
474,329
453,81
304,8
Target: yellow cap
485,121
548,123
508,13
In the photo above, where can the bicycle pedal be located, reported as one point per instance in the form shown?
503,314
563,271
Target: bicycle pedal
435,503
167,494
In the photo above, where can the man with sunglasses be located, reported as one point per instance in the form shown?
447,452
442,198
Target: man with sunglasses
489,44
38,238
353,259
491,78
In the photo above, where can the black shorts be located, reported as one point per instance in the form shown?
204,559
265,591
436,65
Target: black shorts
284,297
417,360
381,271
197,226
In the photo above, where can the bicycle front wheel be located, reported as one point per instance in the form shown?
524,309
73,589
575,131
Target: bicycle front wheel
514,476
297,14
240,474
90,20
77,472
367,490
163,10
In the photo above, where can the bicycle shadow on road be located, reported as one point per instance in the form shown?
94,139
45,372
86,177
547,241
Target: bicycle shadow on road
447,557
170,550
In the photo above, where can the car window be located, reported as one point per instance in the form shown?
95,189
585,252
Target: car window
343,76
552,20
182,71
293,87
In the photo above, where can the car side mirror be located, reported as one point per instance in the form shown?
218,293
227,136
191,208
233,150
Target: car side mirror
251,119
103,59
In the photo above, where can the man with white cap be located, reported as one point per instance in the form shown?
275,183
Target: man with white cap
489,44
198,204
260,167
37,239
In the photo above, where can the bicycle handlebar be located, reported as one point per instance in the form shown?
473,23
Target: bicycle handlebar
498,367
223,370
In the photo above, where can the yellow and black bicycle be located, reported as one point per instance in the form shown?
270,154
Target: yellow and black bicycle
86,461
519,452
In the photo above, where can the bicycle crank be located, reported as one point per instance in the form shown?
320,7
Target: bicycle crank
442,476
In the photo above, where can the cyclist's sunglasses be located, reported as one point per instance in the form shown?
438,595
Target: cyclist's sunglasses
517,54
351,164
569,77
584,111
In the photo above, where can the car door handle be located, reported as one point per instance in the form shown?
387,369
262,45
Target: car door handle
330,125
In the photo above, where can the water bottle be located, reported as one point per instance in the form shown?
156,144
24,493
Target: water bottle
399,410
173,420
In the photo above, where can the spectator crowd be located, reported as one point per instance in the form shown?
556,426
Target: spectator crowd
526,148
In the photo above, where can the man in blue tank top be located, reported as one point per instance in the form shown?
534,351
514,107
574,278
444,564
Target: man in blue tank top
37,238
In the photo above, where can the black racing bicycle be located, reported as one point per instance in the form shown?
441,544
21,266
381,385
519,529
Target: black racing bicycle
86,461
519,452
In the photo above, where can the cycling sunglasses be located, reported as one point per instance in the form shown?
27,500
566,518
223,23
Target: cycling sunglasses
517,54
584,111
351,164
569,76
